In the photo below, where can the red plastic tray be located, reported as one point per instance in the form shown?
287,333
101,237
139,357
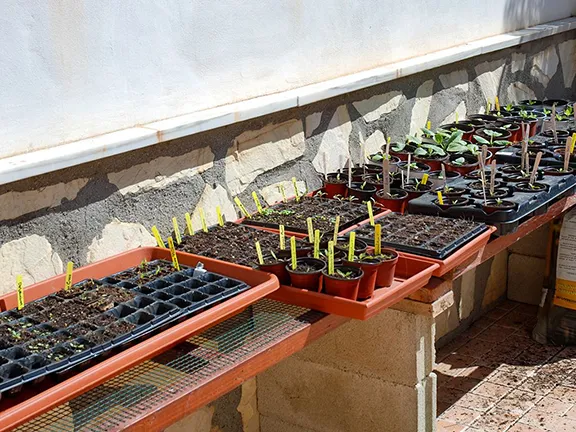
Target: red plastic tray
262,284
411,275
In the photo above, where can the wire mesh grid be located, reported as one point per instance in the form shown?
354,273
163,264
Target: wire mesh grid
181,369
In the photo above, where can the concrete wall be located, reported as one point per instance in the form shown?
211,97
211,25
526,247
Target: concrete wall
75,69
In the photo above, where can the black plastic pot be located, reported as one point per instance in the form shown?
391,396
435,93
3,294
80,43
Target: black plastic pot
452,202
526,187
492,206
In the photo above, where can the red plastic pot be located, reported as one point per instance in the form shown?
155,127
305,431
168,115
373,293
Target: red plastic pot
467,130
415,193
308,280
387,269
394,204
462,169
359,246
346,288
368,281
278,268
434,164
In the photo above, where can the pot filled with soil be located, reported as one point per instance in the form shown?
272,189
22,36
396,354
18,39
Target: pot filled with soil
362,191
433,161
559,103
335,184
495,205
307,273
339,255
376,165
462,163
345,282
561,134
277,266
530,103
373,180
417,169
452,192
342,245
476,123
477,185
528,187
357,173
369,266
498,194
512,126
467,129
437,177
487,118
452,202
400,150
416,189
389,258
558,171
395,200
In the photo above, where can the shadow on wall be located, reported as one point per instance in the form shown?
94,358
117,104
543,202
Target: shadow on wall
520,14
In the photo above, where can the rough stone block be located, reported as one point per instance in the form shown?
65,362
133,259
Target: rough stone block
532,245
525,278
321,398
468,289
447,321
498,279
394,345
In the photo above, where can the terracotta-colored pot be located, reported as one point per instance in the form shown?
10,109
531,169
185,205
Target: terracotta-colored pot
462,169
415,193
332,188
359,246
346,288
387,269
308,280
278,268
368,281
434,164
394,204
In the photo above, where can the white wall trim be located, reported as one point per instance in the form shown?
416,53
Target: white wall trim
75,153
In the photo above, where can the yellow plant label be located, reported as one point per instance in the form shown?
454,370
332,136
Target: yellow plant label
497,103
203,219
573,142
173,254
257,202
282,237
429,125
241,207
456,118
378,239
283,192
336,229
296,194
219,215
310,229
424,179
157,236
440,199
370,212
351,245
176,230
189,226
293,252
259,253
68,280
20,291
317,244
331,257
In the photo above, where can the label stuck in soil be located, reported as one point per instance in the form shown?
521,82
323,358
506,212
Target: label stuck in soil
293,252
497,103
370,212
330,257
296,194
283,192
429,125
378,239
219,215
257,202
440,199
241,207
20,291
317,244
310,229
69,270
351,244
176,230
157,236
282,237
189,226
173,254
203,219
424,179
259,253
336,228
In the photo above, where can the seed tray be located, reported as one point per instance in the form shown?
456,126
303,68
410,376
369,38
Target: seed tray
47,342
512,155
233,243
528,204
350,214
408,238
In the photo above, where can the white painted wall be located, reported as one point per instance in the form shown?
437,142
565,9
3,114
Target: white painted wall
72,69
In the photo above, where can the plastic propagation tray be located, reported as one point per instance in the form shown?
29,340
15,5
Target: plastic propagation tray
160,297
528,204
448,248
411,275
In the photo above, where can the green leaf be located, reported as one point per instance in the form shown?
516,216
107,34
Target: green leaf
456,148
494,134
434,149
481,140
398,147
504,143
413,139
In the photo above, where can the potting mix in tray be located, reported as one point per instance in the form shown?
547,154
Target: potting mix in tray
70,327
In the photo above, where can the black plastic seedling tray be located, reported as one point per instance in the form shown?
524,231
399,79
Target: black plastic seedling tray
528,204
154,304
512,155
399,232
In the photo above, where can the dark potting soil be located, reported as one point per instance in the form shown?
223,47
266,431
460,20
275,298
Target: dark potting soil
233,243
119,328
76,290
106,297
305,268
293,214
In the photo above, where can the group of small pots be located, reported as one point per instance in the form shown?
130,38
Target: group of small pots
354,280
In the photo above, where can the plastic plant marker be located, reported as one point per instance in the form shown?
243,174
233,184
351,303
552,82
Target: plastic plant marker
283,192
567,153
481,159
189,227
219,215
176,230
554,130
388,139
402,178
351,245
310,229
349,172
336,229
325,165
370,212
535,169
293,252
257,202
444,174
429,125
241,207
492,177
484,153
296,194
157,236
424,179
20,291
488,106
386,174
203,219
408,168
456,120
259,253
378,239
440,199
282,237
497,103
573,142
331,257
173,253
69,270
317,244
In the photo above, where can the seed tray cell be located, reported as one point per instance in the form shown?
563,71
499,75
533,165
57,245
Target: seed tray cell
116,310
528,204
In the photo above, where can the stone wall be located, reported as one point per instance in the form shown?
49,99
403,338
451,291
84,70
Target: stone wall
88,212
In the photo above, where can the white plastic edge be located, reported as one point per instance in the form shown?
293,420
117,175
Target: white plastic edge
38,162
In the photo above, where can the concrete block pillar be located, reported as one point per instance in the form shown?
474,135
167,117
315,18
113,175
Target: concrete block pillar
374,375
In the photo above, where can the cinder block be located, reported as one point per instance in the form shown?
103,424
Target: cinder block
394,345
525,278
534,244
497,281
273,424
468,289
447,321
325,399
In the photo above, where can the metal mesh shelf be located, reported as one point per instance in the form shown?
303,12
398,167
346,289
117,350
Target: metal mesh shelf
180,370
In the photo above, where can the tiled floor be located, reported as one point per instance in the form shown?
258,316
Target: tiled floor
495,378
